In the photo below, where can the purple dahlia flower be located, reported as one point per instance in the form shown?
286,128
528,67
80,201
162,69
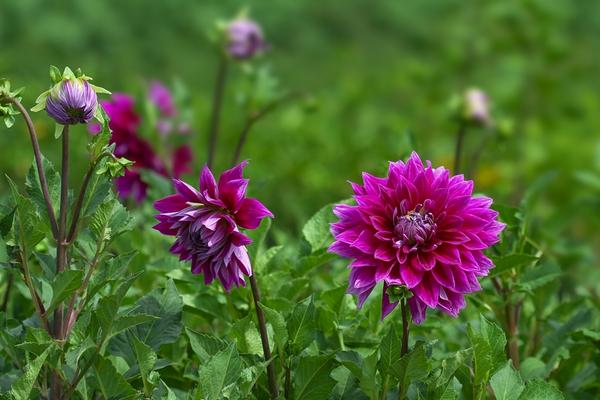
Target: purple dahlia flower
72,101
419,228
207,222
245,39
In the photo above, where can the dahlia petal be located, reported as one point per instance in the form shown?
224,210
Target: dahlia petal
428,291
172,203
411,276
233,192
386,306
239,239
418,310
186,191
250,213
207,182
444,276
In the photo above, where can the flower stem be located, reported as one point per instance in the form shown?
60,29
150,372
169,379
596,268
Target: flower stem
262,329
9,283
39,164
217,103
81,197
404,348
253,117
61,251
460,136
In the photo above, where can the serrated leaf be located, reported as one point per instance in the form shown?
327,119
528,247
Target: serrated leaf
538,276
316,230
508,262
301,325
146,359
488,344
312,378
219,372
109,382
63,287
540,390
204,345
277,322
166,328
22,387
411,367
389,351
27,220
507,383
125,322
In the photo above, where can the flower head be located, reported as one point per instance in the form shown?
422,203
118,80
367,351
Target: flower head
207,222
245,39
72,101
420,229
477,106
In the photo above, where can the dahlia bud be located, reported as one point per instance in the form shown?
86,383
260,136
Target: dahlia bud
245,39
72,100
477,107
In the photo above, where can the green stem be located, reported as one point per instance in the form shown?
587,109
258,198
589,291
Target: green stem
217,104
460,136
262,329
254,117
37,153
404,348
81,196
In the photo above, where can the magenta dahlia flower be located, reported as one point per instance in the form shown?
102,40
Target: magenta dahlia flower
417,228
124,124
207,223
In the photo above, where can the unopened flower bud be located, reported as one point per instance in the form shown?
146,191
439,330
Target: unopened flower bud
245,39
72,101
477,106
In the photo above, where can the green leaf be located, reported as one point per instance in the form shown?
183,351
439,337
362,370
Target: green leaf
204,345
122,323
146,359
538,276
111,383
452,390
507,263
301,325
312,378
219,372
110,220
540,390
507,383
22,387
165,328
64,285
412,366
34,190
389,351
316,230
277,322
532,367
27,220
488,344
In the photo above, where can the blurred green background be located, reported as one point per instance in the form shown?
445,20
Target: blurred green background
382,74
